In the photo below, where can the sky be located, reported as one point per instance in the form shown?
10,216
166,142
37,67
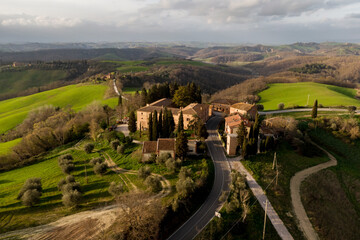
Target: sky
227,21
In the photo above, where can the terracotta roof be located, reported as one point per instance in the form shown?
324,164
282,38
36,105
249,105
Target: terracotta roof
243,106
224,101
195,109
233,118
150,108
166,144
149,147
164,102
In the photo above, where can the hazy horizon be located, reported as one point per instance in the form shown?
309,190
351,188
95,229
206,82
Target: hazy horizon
229,21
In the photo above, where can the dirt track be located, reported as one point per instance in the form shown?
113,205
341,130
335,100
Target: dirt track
83,225
295,184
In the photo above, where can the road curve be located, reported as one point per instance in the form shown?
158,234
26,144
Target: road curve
206,212
305,110
295,184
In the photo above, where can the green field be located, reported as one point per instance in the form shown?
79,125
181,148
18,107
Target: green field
14,111
6,146
14,215
13,82
297,94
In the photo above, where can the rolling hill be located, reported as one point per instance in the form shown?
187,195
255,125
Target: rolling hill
14,111
297,94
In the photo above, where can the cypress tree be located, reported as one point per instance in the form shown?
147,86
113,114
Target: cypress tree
314,109
150,127
171,124
132,122
241,133
165,124
244,149
181,145
143,97
120,100
256,127
181,123
160,123
155,126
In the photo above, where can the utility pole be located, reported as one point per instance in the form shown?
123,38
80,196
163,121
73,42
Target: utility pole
275,160
265,219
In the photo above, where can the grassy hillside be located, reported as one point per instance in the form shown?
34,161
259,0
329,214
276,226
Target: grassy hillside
14,215
12,82
293,94
6,146
14,111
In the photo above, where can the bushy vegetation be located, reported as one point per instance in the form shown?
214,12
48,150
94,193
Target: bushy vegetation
312,68
31,192
66,163
153,183
116,189
55,127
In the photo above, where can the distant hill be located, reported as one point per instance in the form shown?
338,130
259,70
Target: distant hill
84,54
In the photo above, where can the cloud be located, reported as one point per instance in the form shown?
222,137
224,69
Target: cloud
38,21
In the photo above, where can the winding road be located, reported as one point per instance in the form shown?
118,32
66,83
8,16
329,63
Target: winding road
206,212
295,184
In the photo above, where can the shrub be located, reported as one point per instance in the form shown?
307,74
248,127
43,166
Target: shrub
153,183
171,165
185,187
281,106
60,184
120,149
128,140
352,109
89,147
31,197
260,107
72,198
66,157
115,144
67,168
116,189
184,173
95,161
31,183
144,172
163,158
66,164
69,187
100,168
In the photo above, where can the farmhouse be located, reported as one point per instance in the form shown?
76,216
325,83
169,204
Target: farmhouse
244,109
233,122
190,112
161,146
222,105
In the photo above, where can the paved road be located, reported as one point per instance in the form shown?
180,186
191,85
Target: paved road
295,184
222,179
306,110
262,198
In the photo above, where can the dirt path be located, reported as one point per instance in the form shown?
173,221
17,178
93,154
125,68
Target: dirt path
113,166
295,184
166,186
83,225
